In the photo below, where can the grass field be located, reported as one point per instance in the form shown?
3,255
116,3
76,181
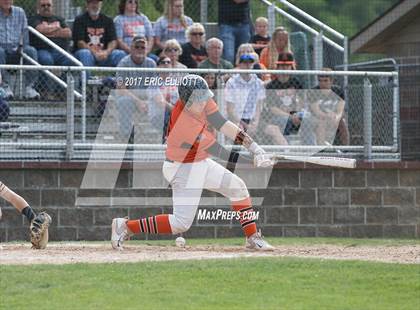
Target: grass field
246,283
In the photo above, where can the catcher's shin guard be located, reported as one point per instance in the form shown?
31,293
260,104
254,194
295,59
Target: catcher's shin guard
39,230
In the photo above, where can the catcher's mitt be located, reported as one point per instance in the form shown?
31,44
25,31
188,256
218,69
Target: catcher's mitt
39,230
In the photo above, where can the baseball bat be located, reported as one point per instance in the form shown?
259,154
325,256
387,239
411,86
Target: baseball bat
321,160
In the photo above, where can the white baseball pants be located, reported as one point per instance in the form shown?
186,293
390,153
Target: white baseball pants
188,181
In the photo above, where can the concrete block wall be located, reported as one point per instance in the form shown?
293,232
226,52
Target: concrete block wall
374,200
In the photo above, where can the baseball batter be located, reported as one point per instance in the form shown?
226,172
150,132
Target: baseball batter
38,223
189,170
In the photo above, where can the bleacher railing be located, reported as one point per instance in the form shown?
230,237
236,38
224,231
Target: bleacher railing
55,131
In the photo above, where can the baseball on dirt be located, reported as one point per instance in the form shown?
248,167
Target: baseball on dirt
180,242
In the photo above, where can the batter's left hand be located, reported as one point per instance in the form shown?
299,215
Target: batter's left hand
264,160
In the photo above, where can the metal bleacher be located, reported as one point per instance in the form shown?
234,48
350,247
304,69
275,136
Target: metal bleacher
40,120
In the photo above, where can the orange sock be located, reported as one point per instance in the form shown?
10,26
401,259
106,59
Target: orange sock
158,224
248,224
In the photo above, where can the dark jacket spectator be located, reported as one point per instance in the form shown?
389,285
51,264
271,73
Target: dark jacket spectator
55,29
329,108
194,51
234,25
285,110
94,37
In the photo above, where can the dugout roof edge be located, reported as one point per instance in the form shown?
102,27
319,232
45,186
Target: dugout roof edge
373,37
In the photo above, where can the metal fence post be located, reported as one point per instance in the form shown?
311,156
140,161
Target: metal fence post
221,103
203,12
84,81
21,74
346,64
367,118
271,18
70,117
318,54
318,51
396,112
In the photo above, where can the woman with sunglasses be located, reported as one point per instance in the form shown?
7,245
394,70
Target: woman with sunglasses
194,51
172,49
172,24
131,23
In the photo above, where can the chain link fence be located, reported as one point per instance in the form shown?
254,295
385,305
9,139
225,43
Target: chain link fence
280,118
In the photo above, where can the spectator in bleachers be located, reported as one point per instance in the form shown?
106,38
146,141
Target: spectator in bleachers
285,108
278,44
247,48
14,39
172,25
194,51
211,81
261,38
214,48
328,108
172,49
130,23
244,96
164,100
132,85
94,37
234,25
55,29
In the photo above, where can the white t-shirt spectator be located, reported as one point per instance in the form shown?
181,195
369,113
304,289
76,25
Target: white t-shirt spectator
245,95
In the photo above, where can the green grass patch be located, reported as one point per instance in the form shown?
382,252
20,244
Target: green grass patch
261,283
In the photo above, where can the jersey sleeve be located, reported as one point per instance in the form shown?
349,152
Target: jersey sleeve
211,107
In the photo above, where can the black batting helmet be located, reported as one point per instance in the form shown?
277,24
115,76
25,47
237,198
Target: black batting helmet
193,88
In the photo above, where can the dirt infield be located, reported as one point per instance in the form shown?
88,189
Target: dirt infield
78,252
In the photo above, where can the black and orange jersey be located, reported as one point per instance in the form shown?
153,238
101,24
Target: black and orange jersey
190,135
